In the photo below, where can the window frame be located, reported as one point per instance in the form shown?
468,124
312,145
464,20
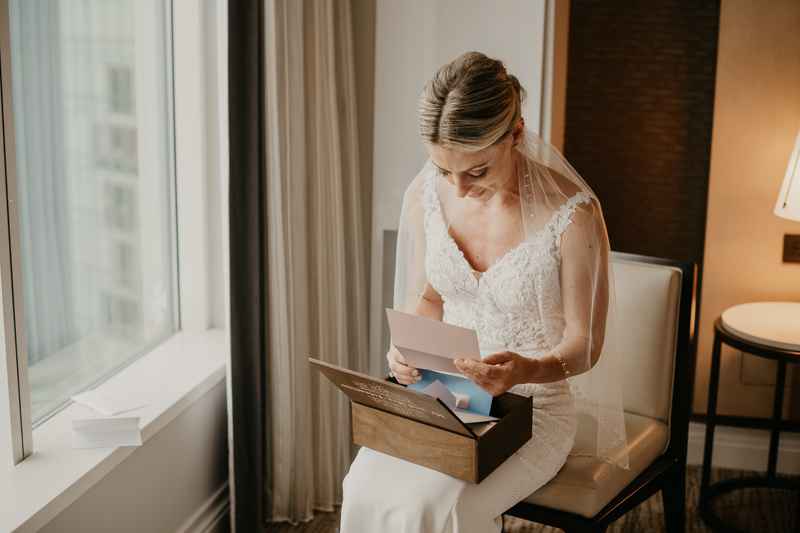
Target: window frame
16,441
193,121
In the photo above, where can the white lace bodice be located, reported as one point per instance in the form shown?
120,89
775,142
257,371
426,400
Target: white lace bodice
505,304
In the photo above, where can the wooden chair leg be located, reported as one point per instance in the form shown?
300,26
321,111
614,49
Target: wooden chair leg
674,496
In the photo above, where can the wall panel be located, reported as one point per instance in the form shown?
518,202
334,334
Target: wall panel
756,119
413,39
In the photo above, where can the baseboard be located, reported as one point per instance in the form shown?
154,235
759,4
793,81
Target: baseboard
209,518
745,449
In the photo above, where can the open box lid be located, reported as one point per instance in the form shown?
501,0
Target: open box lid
392,398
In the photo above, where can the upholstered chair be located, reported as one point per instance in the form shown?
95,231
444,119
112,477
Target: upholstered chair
655,306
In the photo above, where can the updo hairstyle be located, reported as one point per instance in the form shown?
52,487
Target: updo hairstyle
470,103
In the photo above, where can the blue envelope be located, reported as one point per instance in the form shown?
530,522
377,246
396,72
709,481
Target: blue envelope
480,401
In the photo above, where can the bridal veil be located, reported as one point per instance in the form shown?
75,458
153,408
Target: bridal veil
581,329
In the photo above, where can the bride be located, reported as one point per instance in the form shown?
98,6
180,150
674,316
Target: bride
499,234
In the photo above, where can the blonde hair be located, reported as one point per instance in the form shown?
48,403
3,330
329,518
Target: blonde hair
471,103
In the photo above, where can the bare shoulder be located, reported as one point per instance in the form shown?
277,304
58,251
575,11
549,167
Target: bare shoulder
560,184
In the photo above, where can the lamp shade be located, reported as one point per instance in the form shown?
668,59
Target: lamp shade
788,205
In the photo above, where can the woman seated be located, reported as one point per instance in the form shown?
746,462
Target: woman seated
499,234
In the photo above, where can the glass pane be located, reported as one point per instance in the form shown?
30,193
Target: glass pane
92,125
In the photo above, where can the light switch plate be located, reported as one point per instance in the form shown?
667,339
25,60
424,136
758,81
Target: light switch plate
791,248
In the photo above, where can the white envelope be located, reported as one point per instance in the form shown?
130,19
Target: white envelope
103,432
109,403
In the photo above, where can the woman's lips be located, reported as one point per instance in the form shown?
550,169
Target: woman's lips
477,195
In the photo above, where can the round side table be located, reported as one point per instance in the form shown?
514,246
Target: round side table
764,329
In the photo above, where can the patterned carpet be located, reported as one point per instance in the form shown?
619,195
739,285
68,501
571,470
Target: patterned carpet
751,510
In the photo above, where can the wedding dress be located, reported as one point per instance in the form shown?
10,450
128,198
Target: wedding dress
503,304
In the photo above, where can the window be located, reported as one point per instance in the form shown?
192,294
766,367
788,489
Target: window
120,88
115,147
95,189
120,206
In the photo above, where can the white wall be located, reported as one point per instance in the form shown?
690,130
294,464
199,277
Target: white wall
413,38
175,482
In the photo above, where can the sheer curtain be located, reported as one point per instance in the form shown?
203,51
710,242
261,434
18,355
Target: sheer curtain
298,280
43,187
315,253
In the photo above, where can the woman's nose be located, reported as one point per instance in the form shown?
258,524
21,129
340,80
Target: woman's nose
462,186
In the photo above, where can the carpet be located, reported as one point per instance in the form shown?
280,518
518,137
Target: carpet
751,510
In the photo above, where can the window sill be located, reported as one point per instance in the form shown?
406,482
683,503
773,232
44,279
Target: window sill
169,378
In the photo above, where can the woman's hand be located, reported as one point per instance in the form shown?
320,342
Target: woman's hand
498,372
404,374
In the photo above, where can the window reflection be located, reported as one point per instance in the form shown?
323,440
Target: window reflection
92,143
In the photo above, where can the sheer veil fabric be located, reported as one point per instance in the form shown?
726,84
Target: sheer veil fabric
576,305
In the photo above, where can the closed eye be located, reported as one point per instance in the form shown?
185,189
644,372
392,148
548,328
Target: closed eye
479,176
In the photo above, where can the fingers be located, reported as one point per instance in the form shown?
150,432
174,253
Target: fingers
403,373
394,354
488,371
470,369
492,386
492,379
497,358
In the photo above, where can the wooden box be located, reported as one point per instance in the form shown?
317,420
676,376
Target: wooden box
410,425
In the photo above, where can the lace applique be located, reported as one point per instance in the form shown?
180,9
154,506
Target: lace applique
506,304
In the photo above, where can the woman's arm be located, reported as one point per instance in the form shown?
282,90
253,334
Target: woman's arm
422,299
429,304
498,372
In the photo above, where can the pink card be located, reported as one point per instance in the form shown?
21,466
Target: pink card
431,344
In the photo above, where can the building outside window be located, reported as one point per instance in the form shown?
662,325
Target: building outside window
120,88
93,131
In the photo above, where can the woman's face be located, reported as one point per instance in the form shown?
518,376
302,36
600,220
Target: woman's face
479,175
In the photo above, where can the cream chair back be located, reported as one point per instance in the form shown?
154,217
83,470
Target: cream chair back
647,310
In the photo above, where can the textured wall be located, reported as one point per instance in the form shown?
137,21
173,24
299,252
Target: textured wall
640,95
756,119
647,85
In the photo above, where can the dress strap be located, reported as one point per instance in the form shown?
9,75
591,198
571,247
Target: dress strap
558,224
561,219
428,195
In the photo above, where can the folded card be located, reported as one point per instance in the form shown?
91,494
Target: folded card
103,432
431,344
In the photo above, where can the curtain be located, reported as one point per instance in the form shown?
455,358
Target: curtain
301,272
248,370
44,191
316,258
